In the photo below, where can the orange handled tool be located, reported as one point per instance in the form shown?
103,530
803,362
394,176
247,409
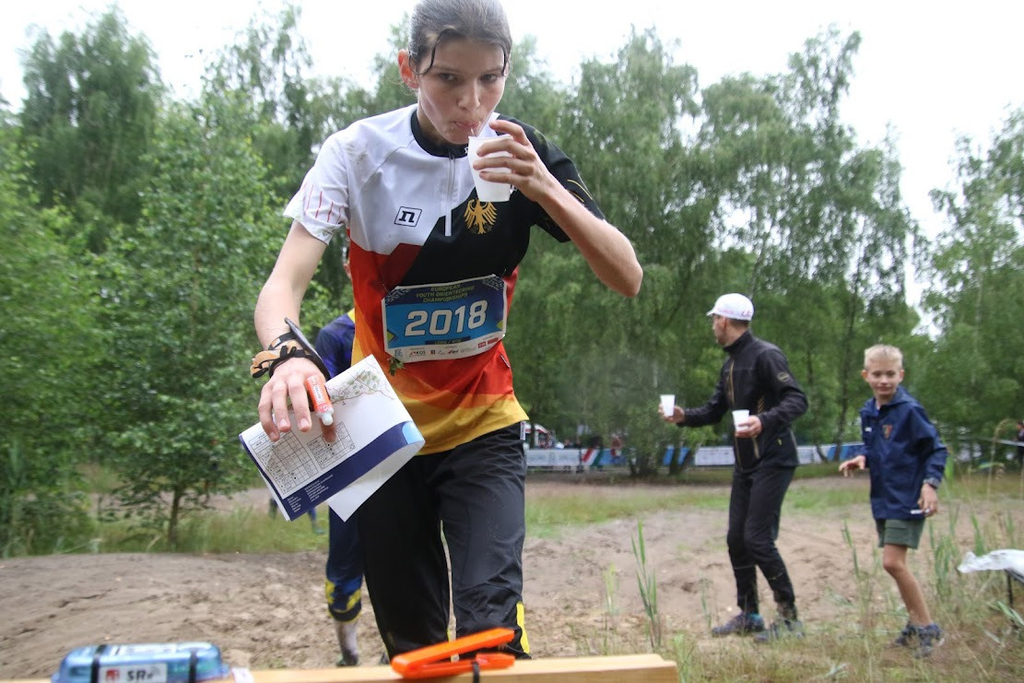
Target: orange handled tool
320,399
435,660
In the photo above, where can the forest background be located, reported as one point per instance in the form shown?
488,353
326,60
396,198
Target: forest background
139,227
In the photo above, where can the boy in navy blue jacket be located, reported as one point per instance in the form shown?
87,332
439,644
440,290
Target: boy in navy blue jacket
906,460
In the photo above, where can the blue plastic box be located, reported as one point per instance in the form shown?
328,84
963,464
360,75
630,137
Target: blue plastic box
142,663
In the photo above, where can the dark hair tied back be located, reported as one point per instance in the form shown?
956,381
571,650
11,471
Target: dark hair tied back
434,20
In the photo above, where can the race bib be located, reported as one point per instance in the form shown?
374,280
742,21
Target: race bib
444,321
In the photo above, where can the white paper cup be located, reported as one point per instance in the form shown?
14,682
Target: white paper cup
738,418
488,190
668,404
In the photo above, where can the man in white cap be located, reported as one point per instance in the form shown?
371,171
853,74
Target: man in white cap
754,378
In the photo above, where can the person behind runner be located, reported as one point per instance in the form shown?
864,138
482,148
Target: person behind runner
433,272
755,377
344,568
906,460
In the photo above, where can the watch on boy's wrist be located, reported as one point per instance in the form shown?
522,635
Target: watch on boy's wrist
933,482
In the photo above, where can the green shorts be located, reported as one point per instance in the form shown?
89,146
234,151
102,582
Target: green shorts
906,532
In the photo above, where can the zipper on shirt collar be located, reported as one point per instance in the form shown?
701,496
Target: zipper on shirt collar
452,160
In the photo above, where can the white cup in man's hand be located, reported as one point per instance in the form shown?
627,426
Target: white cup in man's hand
739,421
668,404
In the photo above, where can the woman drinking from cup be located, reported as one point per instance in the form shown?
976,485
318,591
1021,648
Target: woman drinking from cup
433,271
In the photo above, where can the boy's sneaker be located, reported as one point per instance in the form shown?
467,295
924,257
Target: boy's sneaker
929,637
906,637
741,624
783,628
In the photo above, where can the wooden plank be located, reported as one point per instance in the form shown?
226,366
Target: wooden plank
646,668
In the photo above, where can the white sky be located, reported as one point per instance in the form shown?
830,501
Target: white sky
932,71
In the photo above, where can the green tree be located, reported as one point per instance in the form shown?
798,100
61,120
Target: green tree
270,64
52,340
976,377
861,231
182,286
390,91
88,120
531,93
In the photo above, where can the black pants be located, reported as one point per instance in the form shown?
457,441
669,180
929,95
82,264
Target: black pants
475,494
754,510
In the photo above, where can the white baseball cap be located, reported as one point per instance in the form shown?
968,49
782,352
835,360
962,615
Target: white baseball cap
733,306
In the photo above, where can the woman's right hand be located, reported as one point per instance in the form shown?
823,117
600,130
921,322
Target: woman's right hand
280,298
287,385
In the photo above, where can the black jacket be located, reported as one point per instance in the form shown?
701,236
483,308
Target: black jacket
756,377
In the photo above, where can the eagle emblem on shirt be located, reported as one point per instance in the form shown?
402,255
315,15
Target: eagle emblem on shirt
480,216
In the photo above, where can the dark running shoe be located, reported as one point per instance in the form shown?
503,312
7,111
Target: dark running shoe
348,659
783,628
906,637
928,638
741,624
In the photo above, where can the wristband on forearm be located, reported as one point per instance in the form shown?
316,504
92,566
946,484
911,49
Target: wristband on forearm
279,342
291,344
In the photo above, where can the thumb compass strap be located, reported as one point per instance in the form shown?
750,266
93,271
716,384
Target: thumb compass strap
292,344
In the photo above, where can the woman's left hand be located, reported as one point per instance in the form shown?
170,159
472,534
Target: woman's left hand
607,251
528,173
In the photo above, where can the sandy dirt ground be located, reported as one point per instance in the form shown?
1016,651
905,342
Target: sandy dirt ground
267,611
